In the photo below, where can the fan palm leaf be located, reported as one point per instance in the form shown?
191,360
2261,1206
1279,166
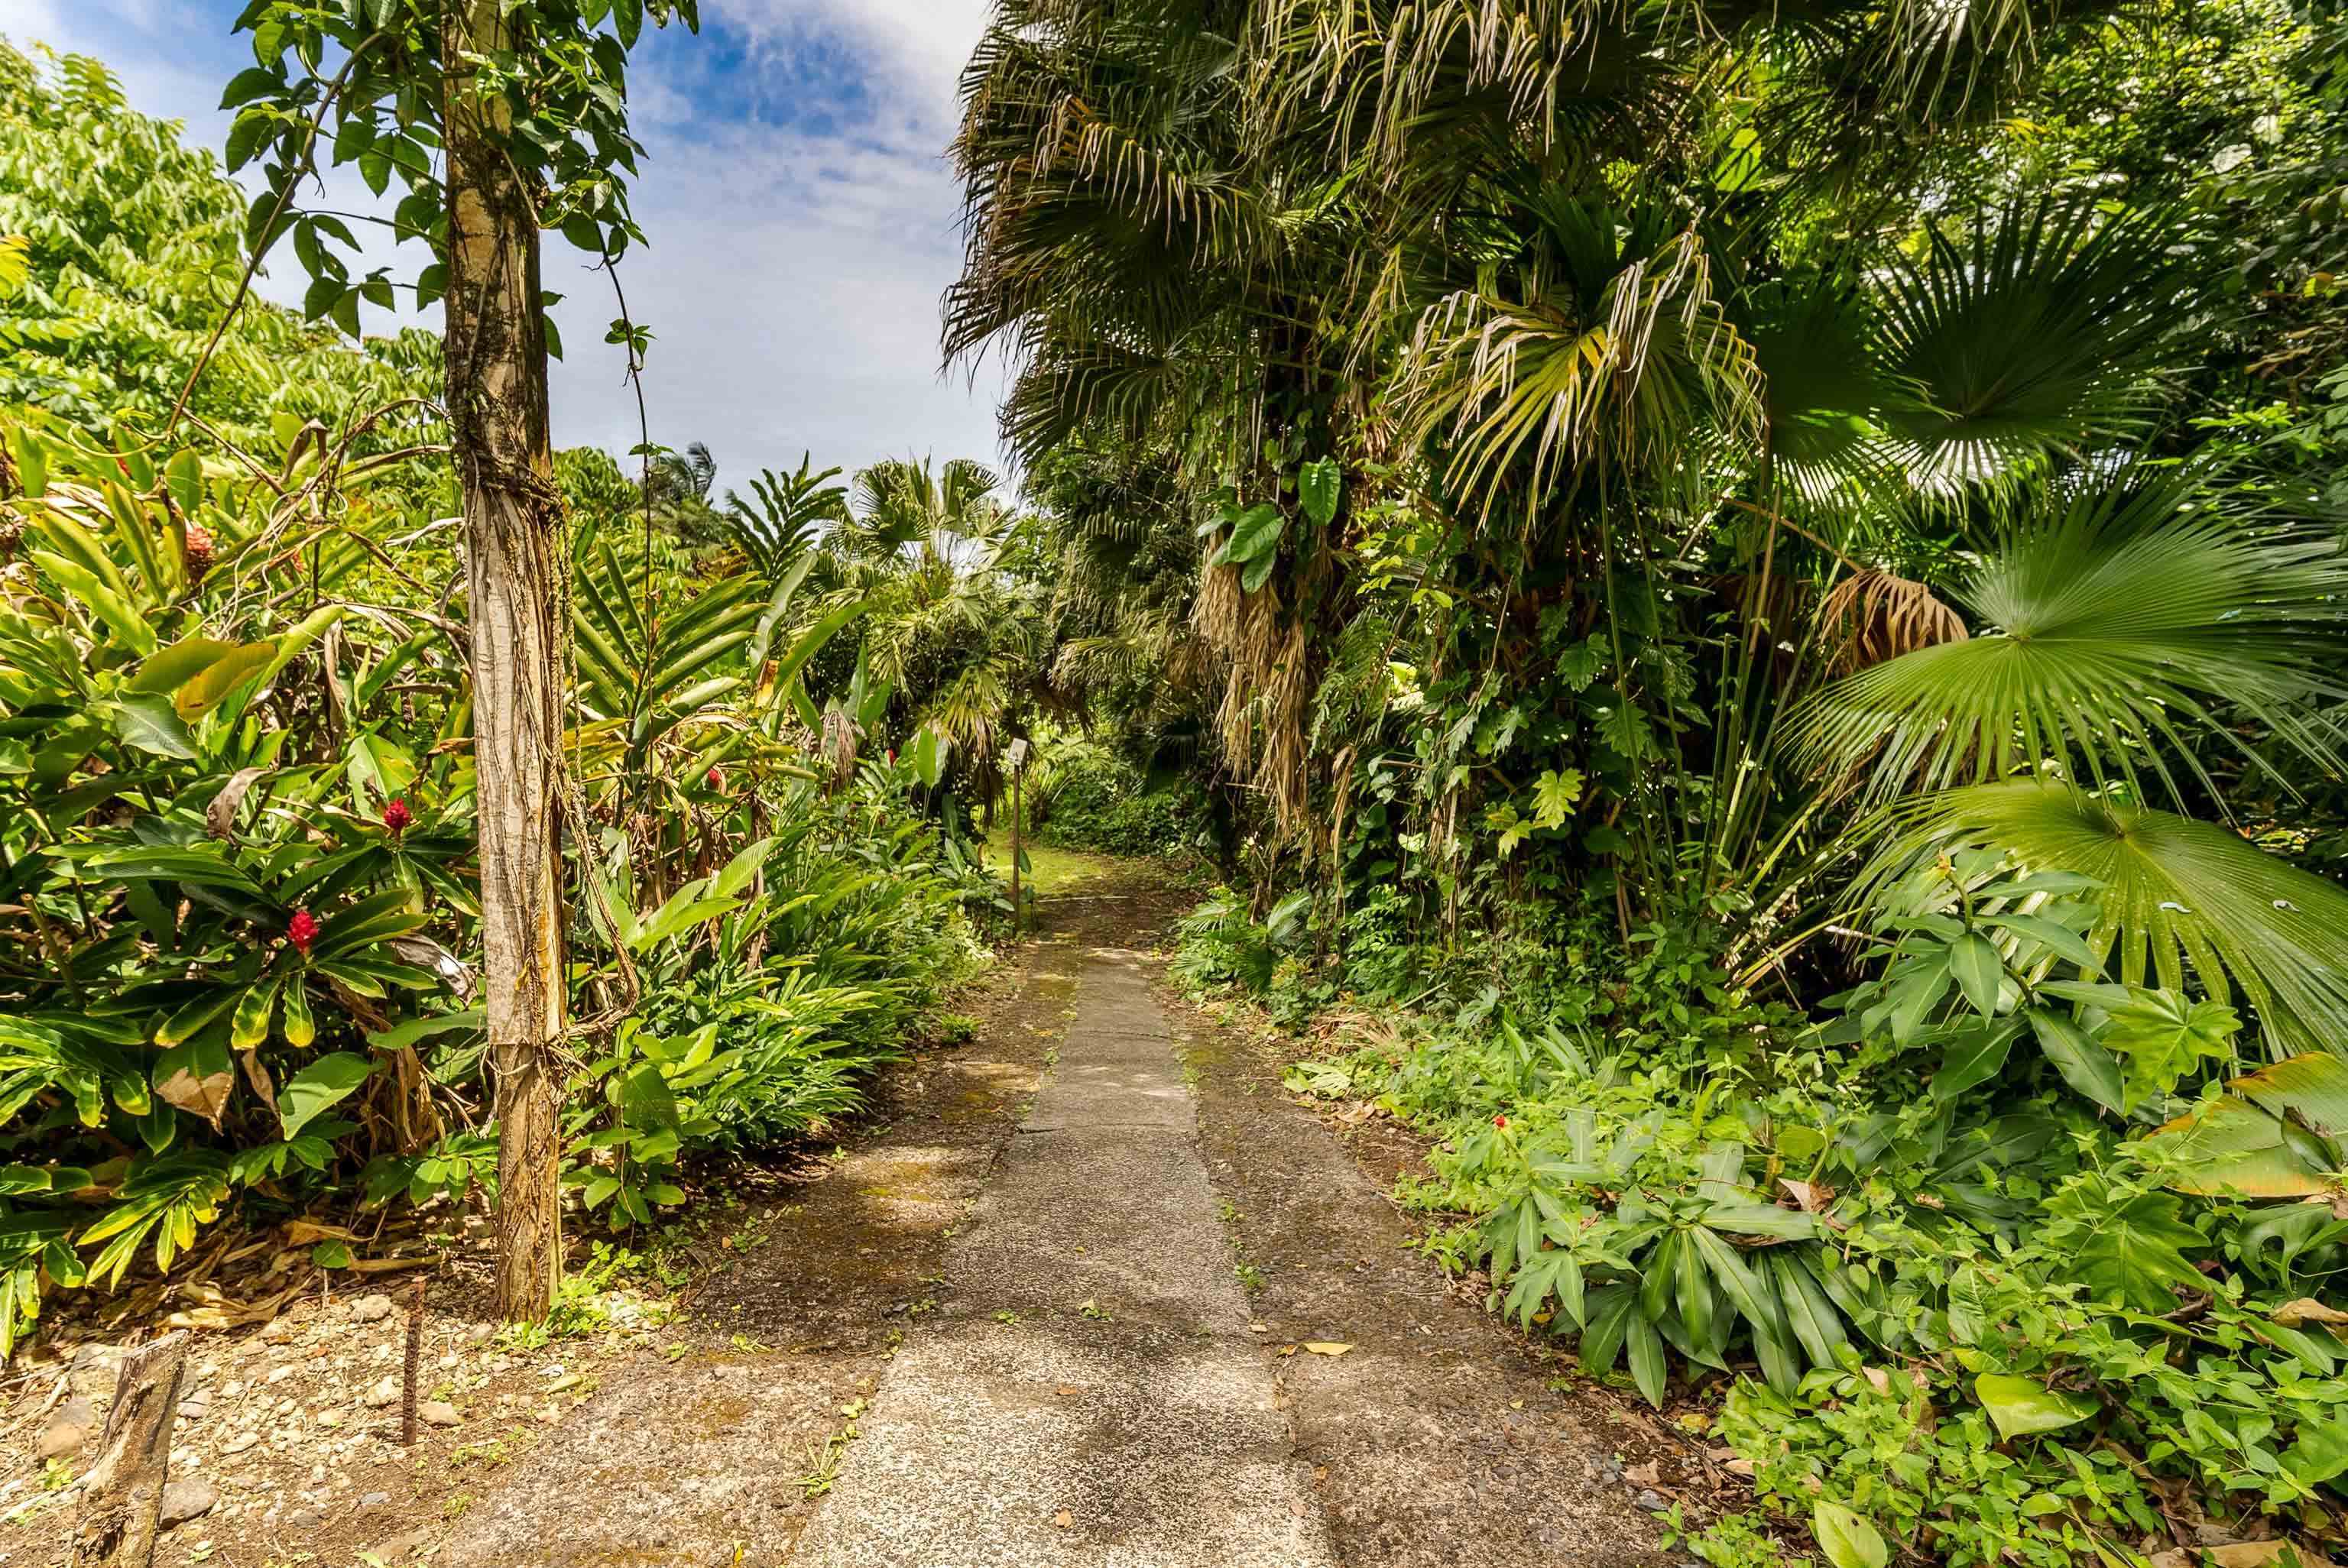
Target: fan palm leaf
2036,339
2178,897
2115,632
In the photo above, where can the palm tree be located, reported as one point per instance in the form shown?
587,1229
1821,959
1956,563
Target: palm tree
950,631
1650,367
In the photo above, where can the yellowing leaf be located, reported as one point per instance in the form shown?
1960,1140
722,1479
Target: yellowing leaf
208,690
1326,1348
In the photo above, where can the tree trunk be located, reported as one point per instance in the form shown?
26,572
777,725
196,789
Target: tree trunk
122,1495
495,346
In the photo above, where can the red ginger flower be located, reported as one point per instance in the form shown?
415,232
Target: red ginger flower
199,551
1500,1122
302,930
714,779
397,817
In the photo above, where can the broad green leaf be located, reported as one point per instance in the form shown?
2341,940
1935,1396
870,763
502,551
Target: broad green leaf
419,1030
2245,1142
204,693
2129,1250
319,1087
1254,532
110,608
2020,1407
169,668
1648,1368
184,1024
149,724
1975,1058
2059,939
2320,1453
1320,487
249,1027
1979,972
301,1029
1848,1540
2167,1032
2084,1065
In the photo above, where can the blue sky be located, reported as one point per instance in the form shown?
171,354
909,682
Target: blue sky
801,214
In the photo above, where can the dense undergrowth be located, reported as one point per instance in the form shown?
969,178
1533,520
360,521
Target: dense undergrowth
2011,1265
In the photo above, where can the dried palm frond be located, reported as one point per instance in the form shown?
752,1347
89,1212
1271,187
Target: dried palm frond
840,736
1874,616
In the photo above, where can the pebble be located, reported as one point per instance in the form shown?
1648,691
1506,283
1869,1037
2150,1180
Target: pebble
74,1424
279,1330
384,1393
370,1308
375,1499
239,1443
305,1519
1652,1501
186,1499
279,1374
438,1414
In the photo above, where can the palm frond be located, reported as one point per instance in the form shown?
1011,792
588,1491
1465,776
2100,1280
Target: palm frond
2036,339
2178,897
2114,631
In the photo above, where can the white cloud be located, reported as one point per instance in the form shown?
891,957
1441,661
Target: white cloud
922,41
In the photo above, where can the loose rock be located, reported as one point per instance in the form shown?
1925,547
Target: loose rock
370,1308
438,1414
384,1393
75,1423
186,1499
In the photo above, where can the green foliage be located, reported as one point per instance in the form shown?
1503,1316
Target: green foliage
237,879
2001,1317
1086,797
128,242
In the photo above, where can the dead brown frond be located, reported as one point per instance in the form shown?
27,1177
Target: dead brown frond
1874,616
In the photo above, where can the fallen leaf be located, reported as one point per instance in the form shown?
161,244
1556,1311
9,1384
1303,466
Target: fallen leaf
1285,1350
1648,1474
1326,1348
1259,1327
1065,1520
2307,1309
1739,1466
1068,1390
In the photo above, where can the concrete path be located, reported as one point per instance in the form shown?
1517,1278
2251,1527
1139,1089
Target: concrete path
1089,1394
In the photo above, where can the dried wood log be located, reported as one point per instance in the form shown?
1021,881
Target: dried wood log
123,1493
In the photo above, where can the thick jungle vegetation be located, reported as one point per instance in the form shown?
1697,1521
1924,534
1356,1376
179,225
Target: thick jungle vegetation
241,819
1749,601
1762,587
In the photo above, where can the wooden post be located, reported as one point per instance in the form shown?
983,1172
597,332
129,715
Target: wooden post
1018,909
414,1362
122,1495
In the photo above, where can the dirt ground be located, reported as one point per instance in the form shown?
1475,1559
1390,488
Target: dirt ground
694,1410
